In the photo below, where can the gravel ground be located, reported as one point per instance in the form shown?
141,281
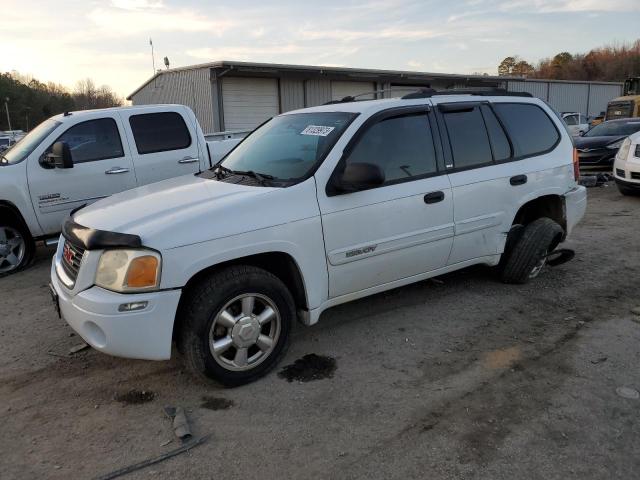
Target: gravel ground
458,377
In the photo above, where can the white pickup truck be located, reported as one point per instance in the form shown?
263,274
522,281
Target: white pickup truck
315,208
76,158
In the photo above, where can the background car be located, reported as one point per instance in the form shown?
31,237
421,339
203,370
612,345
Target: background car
599,145
577,123
626,168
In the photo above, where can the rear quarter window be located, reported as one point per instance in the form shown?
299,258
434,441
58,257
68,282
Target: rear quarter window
159,132
531,130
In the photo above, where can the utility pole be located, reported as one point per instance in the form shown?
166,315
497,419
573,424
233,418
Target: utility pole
153,58
6,107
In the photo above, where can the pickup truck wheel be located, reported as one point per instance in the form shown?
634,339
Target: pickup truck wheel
16,249
236,325
525,259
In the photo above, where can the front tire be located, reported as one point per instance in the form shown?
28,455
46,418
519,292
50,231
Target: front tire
528,255
16,247
236,324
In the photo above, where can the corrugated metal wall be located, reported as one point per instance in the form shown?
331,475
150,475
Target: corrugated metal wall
317,92
586,98
291,94
186,87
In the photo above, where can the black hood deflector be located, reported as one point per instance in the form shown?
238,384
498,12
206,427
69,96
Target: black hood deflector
91,239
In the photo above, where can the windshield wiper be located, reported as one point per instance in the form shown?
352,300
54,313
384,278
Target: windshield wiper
263,178
221,171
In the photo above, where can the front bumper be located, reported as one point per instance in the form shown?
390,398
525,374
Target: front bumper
575,205
94,315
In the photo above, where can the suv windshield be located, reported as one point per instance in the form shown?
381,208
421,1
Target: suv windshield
288,147
610,129
24,147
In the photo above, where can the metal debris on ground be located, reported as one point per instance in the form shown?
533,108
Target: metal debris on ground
152,461
635,310
595,361
627,392
180,423
597,180
78,348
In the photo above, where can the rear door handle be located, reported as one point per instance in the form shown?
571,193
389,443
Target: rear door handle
188,160
518,180
114,170
434,197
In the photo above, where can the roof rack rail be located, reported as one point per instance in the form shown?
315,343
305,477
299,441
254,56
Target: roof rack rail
483,92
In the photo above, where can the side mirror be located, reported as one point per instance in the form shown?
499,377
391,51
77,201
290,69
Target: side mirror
60,156
360,176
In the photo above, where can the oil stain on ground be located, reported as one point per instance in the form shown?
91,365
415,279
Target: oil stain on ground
308,368
135,397
214,403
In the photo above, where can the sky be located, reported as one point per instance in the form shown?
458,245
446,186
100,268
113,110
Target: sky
67,40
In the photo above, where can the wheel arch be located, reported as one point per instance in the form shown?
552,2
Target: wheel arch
278,263
550,205
9,209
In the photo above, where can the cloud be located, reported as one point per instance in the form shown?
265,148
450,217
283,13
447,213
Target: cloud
394,33
118,21
137,4
551,6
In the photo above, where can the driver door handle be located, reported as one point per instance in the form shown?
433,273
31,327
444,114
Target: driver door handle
189,160
115,170
434,197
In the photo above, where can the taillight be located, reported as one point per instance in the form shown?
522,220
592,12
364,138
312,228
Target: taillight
576,165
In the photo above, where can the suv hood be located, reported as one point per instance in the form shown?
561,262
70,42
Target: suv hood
191,209
596,142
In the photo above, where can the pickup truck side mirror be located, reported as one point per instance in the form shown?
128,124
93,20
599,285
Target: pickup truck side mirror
59,157
360,176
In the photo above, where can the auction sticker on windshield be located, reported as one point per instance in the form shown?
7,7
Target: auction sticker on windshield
317,130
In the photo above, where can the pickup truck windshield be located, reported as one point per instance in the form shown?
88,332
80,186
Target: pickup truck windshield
289,147
28,143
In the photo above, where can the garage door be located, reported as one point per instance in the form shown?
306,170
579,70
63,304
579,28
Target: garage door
247,102
339,90
402,90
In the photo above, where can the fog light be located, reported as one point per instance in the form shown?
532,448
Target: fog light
133,306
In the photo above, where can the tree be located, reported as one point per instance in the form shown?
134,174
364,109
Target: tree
522,69
506,66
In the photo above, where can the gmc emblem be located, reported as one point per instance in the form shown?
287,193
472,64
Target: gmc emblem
67,253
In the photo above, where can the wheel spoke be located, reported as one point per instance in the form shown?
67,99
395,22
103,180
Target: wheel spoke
12,260
247,305
241,357
15,243
226,319
266,316
264,343
222,345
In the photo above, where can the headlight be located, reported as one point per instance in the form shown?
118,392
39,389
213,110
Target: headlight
624,149
129,270
615,145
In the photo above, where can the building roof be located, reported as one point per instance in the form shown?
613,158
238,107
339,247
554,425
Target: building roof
359,73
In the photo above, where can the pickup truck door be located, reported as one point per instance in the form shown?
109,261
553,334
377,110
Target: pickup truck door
163,144
400,229
102,166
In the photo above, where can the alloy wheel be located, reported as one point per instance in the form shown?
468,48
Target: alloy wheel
13,248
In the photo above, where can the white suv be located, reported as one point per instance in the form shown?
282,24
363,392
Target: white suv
315,208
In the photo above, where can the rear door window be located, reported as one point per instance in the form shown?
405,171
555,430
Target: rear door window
93,140
401,146
159,132
498,138
531,130
468,137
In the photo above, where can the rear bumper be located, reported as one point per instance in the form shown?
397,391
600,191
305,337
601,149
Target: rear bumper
94,315
576,206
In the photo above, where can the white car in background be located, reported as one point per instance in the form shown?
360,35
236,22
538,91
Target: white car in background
577,123
626,167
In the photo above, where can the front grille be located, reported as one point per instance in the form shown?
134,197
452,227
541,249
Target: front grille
635,175
71,259
620,172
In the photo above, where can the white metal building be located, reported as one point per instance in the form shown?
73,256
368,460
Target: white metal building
230,95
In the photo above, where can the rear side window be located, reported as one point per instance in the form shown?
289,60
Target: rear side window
93,140
499,142
401,146
159,132
531,130
468,137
